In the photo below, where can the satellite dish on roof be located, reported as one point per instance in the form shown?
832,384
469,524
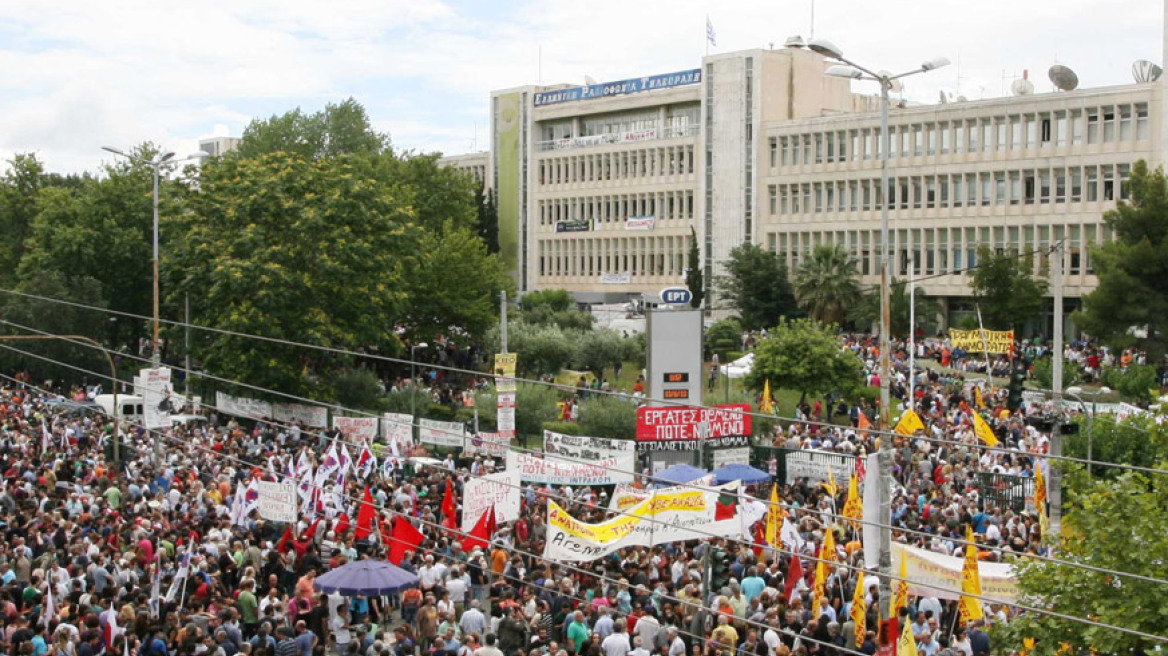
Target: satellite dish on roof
795,41
1145,71
589,80
1022,87
1063,78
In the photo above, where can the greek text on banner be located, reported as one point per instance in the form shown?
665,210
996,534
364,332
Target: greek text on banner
996,341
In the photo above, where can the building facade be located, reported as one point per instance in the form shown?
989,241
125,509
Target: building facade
602,188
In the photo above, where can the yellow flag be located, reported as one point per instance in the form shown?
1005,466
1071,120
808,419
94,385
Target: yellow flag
826,555
859,610
774,519
854,506
977,398
765,404
900,587
909,423
907,646
970,607
983,431
830,485
1040,497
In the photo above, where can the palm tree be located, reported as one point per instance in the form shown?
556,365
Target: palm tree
826,283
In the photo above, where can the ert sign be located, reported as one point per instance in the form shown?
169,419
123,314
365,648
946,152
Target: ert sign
676,295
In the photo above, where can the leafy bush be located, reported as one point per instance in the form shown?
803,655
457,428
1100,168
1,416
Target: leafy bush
357,388
1138,383
723,337
608,416
1044,373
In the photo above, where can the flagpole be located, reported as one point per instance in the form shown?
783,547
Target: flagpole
985,345
707,35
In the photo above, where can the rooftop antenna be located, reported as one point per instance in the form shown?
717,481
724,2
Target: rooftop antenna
1007,76
812,37
1022,86
539,63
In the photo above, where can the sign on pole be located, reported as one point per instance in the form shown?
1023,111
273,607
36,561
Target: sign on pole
156,397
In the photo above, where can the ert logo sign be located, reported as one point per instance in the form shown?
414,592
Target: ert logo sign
676,295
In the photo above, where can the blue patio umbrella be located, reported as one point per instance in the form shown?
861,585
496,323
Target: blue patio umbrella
744,473
678,474
366,577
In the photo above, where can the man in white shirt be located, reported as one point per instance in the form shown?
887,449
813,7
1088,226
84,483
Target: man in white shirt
473,620
617,643
676,644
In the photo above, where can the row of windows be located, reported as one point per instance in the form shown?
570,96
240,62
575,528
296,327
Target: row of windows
637,256
604,209
936,251
1015,132
1017,187
640,163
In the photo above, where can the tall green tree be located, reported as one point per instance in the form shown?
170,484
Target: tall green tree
1006,289
542,349
756,286
1133,268
597,350
805,356
1117,524
451,282
438,195
339,129
866,312
303,250
101,229
488,217
723,337
827,283
20,189
693,272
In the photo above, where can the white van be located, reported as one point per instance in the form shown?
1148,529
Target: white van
130,407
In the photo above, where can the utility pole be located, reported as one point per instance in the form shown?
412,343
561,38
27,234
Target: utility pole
503,322
1055,494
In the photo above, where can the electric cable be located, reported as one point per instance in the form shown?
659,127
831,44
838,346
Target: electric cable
821,513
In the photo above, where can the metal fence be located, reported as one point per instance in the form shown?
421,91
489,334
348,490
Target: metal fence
1006,491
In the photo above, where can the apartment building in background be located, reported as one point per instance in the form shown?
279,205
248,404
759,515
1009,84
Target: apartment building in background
602,187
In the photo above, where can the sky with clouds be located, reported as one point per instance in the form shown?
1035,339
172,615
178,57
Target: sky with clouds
78,74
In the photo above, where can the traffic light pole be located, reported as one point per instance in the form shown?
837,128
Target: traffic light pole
1055,494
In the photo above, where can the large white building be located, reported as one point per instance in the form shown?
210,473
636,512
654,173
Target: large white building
601,188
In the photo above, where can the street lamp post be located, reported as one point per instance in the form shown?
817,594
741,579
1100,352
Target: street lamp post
850,70
155,166
1076,393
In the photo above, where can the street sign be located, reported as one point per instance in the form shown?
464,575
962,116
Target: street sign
676,295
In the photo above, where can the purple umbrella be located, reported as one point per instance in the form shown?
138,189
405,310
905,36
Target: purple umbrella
366,577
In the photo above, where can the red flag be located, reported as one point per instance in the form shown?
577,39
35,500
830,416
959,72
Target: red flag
449,510
480,535
310,532
342,524
365,516
404,537
794,573
285,542
759,538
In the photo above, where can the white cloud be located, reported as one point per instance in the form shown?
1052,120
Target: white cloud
79,74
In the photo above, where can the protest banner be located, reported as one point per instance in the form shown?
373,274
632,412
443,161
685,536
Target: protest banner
442,433
668,515
505,371
500,490
360,428
278,501
579,447
398,429
156,401
685,423
314,416
996,341
552,471
932,574
240,406
814,465
487,444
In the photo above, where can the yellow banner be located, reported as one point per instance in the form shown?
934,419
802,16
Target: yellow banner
505,371
996,341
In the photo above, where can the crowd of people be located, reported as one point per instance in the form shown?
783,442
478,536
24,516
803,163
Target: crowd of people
145,558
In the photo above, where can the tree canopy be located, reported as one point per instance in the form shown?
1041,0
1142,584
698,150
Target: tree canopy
1133,268
338,129
827,283
756,286
866,312
1006,289
805,356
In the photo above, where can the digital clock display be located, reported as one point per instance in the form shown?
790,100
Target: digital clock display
677,377
677,394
